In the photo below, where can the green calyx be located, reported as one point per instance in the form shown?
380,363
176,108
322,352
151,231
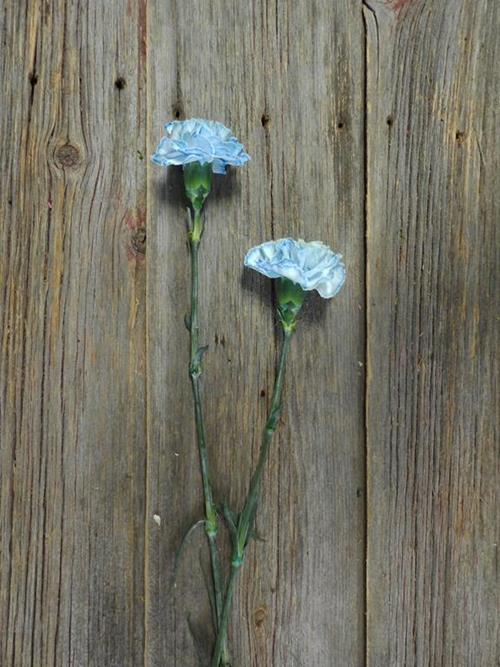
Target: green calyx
290,299
197,183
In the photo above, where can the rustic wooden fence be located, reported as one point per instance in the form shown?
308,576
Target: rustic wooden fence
372,126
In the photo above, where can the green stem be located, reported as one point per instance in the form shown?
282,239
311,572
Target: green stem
221,640
195,370
247,516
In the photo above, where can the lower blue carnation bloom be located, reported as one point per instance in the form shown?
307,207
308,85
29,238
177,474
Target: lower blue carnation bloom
203,141
312,266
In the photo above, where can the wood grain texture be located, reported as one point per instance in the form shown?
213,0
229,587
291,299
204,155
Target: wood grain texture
73,335
374,118
265,70
433,158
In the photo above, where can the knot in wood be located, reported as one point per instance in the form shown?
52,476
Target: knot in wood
178,110
68,156
260,615
138,240
265,119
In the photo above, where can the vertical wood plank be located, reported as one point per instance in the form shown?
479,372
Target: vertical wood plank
288,80
72,322
203,64
315,494
433,150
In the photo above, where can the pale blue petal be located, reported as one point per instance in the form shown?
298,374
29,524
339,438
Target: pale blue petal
197,140
311,265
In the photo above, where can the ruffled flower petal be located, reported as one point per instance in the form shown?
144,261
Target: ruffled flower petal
311,265
197,140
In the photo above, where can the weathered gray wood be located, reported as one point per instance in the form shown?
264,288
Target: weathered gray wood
72,322
432,207
99,470
288,79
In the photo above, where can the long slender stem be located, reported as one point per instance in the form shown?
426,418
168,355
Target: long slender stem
247,517
195,370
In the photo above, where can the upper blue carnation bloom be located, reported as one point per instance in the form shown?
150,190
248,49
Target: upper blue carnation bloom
203,141
312,265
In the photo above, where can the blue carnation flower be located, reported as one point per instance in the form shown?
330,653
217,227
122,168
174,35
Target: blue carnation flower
203,141
311,265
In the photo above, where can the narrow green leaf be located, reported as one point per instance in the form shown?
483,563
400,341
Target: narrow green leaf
200,640
199,354
209,585
182,546
232,519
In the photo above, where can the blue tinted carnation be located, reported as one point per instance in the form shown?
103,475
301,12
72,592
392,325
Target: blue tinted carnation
203,141
312,265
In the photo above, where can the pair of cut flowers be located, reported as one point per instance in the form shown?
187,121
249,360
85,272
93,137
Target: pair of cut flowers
203,148
210,147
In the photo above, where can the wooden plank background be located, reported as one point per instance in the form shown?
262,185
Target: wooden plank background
371,126
432,164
